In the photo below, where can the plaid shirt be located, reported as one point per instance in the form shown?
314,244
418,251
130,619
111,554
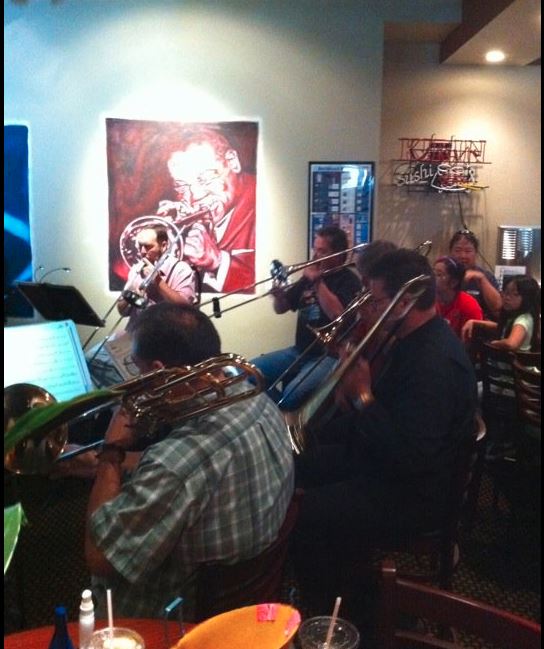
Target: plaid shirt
216,488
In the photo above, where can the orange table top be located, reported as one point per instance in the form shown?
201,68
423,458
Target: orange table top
151,630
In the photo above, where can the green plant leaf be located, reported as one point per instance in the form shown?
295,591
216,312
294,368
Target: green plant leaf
47,418
13,517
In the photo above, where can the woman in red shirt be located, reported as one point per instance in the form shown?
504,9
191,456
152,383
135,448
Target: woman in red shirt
452,303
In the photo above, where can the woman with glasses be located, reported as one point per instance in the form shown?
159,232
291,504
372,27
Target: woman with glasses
517,326
453,304
478,282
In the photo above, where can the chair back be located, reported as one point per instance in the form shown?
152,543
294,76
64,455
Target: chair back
498,403
223,587
527,383
443,608
529,359
497,379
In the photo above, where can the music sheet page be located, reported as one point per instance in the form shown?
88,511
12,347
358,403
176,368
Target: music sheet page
49,355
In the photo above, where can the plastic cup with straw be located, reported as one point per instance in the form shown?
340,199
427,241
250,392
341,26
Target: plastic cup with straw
110,615
330,631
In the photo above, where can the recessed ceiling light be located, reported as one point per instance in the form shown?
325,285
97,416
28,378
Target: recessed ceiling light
495,56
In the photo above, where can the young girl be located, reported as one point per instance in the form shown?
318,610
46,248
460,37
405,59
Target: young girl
517,327
453,304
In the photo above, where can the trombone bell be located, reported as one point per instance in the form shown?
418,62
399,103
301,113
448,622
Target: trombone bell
33,455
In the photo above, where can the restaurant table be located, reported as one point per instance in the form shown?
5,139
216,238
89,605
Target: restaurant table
151,630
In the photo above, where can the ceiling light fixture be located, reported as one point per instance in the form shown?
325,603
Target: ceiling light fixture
495,56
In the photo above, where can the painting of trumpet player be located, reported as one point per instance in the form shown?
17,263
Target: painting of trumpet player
196,179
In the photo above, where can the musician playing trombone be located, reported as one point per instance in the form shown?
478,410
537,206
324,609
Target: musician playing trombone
385,466
214,488
174,281
318,300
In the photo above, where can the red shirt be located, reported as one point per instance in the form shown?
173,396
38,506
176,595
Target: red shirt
464,307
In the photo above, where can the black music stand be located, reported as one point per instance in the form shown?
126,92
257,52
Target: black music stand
58,302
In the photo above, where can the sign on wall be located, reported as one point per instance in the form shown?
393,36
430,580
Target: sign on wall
430,164
196,179
341,194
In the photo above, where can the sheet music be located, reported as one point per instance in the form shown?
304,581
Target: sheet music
49,355
119,349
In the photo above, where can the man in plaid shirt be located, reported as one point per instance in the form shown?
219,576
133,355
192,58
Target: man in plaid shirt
215,488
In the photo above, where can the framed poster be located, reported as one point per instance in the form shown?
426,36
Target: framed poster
197,180
341,193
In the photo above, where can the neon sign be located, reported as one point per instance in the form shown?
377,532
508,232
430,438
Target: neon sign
439,165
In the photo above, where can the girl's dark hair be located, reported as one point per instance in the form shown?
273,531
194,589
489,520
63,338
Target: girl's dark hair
454,269
464,234
529,290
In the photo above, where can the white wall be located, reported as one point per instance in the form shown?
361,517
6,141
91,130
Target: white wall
494,103
309,70
313,78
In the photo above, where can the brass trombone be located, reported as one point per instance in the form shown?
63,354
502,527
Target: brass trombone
154,399
327,335
336,330
301,419
279,275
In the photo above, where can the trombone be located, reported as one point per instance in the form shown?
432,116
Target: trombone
336,331
153,400
279,275
136,300
301,419
330,334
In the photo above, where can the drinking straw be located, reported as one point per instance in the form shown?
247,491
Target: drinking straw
333,622
110,614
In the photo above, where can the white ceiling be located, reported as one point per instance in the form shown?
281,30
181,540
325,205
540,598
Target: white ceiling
515,30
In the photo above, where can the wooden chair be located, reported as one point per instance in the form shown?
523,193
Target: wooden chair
522,485
510,406
498,396
439,549
445,609
529,359
221,587
527,384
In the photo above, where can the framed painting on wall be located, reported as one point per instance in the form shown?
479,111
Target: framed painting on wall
341,194
197,181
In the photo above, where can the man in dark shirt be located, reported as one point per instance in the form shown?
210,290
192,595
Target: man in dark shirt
319,300
385,466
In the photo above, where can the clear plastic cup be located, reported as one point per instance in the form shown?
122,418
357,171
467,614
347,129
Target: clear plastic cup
121,638
312,634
